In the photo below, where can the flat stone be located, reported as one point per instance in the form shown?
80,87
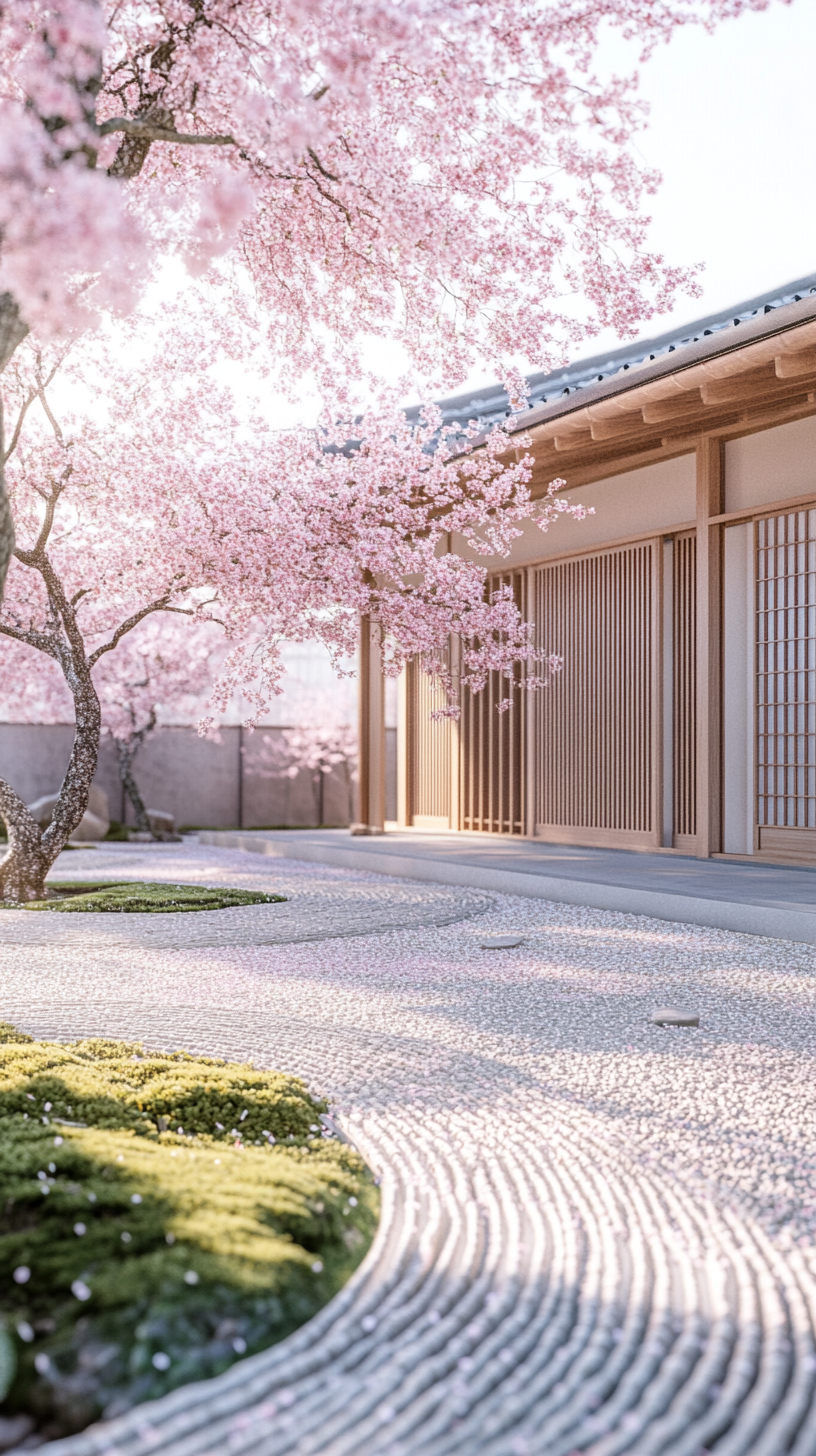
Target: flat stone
500,942
670,1016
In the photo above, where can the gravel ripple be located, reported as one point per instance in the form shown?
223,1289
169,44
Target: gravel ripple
597,1235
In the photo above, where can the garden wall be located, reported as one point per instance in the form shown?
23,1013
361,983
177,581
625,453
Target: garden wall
209,784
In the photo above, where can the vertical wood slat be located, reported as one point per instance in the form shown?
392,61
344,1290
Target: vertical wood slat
684,697
596,728
493,744
429,748
786,670
708,754
371,728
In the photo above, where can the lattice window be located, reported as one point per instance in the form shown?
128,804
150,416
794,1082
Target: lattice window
594,739
786,670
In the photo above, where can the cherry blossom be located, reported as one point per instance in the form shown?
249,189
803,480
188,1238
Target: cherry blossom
320,744
140,491
449,173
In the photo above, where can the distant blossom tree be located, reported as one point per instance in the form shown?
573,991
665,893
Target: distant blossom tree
318,745
161,672
442,172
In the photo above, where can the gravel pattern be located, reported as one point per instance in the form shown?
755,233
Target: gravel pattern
598,1235
321,907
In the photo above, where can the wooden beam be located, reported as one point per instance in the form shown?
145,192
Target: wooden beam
742,389
571,440
793,366
595,460
686,406
371,787
618,428
710,503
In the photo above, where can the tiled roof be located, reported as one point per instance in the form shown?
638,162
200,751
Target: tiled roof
490,405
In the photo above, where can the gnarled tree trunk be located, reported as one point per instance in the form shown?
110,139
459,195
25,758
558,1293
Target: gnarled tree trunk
31,850
127,752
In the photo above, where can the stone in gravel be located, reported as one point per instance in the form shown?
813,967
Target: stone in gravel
670,1016
501,942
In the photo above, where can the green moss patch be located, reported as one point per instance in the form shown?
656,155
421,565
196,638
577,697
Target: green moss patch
127,897
162,1216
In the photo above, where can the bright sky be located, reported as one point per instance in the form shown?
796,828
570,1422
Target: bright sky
732,129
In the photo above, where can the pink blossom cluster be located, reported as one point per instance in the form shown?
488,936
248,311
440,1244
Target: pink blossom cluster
148,494
448,171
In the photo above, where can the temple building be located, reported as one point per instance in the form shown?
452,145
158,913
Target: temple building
684,719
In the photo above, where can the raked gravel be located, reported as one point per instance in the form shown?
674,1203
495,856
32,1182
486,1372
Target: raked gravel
598,1234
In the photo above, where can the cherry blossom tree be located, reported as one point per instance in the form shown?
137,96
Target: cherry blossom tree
151,496
161,672
444,172
319,744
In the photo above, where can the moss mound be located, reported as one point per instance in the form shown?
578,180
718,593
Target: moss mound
127,897
163,1215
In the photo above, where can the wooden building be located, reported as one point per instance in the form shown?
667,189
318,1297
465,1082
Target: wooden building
684,719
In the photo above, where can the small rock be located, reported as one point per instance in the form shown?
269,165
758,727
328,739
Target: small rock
670,1016
501,942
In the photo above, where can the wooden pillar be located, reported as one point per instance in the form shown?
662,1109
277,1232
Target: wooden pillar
455,811
403,755
371,786
710,502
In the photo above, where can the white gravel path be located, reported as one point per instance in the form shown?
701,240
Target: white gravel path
597,1235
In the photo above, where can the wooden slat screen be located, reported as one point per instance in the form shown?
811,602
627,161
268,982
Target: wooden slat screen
492,744
429,749
786,670
684,697
594,723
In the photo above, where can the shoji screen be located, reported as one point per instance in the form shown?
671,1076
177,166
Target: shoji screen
492,745
597,756
786,684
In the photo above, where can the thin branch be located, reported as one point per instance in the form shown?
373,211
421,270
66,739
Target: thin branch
19,425
52,420
159,606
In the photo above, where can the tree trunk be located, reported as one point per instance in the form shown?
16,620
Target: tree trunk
12,332
127,753
32,851
25,864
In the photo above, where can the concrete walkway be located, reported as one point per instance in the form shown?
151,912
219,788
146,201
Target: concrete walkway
757,899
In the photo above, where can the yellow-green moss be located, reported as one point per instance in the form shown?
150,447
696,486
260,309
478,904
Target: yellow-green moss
194,1246
128,897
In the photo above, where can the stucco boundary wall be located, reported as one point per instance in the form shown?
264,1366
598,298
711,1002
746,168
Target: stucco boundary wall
220,782
780,923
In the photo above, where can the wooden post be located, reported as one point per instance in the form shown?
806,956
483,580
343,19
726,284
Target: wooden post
402,749
658,726
371,788
710,502
455,812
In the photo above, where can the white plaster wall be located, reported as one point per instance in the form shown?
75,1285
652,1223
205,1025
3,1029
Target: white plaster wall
655,498
771,465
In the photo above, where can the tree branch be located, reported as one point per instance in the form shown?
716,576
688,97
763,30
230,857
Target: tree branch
30,639
159,606
149,131
19,425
